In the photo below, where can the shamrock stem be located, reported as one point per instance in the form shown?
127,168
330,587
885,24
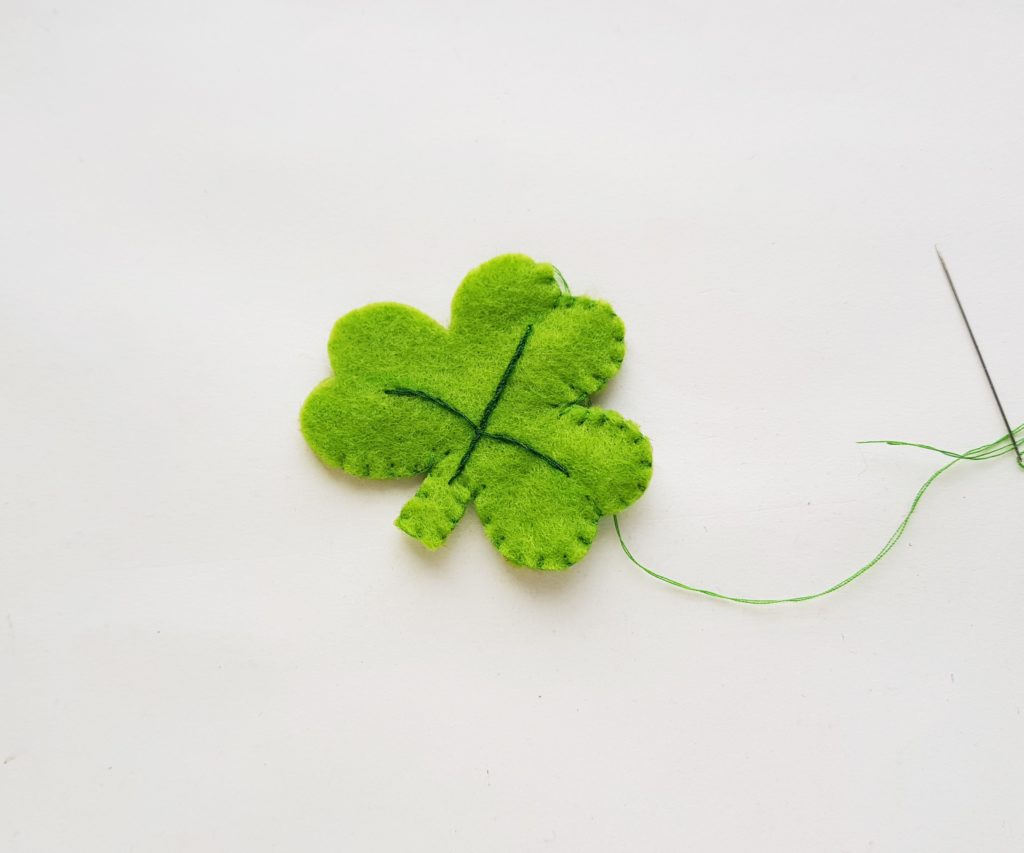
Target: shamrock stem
432,513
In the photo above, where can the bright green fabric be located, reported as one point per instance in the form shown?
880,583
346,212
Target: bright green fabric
494,410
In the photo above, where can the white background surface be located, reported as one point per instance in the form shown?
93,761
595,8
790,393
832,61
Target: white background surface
210,643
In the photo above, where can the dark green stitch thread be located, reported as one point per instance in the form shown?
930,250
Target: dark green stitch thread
430,398
480,430
495,397
503,382
515,442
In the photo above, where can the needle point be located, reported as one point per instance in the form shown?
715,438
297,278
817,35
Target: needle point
977,348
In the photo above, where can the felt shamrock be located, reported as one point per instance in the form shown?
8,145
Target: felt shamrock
494,410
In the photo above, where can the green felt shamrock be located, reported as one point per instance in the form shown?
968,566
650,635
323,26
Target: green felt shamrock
495,410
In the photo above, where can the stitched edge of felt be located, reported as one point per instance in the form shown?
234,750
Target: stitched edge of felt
433,537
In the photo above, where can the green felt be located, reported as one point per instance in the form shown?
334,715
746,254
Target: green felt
494,410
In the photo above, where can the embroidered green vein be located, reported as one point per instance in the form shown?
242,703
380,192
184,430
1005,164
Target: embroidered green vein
480,428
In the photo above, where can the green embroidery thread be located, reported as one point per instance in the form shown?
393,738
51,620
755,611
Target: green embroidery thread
999,447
